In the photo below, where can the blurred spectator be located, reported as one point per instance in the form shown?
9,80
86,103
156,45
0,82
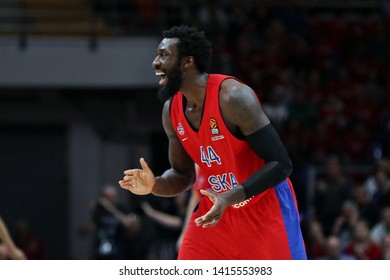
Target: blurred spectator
364,204
385,246
371,182
112,223
381,196
168,215
345,223
315,239
362,246
276,110
382,228
334,250
332,189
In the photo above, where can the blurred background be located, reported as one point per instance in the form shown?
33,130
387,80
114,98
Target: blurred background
78,106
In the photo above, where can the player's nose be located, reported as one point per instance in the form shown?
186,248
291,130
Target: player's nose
156,62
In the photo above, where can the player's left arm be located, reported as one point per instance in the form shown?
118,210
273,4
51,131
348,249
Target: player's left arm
242,113
241,107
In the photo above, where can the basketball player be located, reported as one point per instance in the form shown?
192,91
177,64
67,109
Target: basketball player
248,209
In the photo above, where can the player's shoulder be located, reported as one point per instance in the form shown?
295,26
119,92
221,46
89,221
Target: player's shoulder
229,82
233,90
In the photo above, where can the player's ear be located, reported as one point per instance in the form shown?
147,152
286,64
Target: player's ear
188,61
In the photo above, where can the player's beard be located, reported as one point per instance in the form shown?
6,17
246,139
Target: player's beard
173,85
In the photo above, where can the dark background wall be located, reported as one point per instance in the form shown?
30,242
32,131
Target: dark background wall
33,183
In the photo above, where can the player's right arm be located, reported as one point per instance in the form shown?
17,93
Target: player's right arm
182,174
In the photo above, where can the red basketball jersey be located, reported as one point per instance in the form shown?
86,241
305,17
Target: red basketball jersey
226,160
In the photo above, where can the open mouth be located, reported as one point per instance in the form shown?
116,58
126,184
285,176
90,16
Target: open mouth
163,77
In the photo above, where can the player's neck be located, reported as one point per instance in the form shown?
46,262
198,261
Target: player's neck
194,88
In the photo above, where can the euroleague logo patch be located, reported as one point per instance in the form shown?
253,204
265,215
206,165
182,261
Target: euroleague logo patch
180,129
213,126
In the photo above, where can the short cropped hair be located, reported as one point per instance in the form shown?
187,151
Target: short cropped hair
192,43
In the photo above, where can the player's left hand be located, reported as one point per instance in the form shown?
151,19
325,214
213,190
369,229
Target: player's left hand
212,217
221,202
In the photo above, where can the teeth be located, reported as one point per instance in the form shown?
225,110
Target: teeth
160,73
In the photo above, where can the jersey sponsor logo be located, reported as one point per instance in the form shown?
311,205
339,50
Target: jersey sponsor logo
213,126
218,137
223,182
180,129
242,203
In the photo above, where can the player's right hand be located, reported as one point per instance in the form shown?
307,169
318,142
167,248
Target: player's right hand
139,181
